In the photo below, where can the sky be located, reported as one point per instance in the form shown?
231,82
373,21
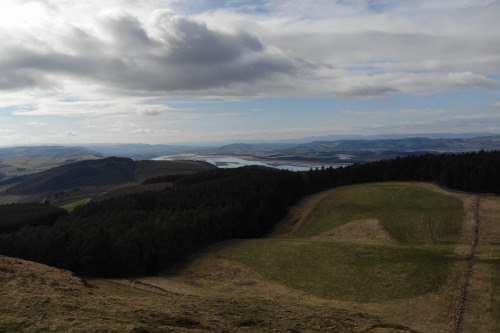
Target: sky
178,71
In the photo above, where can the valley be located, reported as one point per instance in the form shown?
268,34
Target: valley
304,277
403,245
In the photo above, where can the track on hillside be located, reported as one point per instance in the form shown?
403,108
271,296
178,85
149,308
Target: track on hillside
469,267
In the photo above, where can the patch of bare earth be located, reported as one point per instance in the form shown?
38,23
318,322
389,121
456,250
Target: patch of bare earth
358,230
297,215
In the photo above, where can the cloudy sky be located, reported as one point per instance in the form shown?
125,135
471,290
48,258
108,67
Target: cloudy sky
172,71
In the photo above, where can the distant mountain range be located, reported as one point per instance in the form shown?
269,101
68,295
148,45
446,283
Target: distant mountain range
303,149
362,150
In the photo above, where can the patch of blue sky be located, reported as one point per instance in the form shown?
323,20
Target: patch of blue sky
193,7
12,109
463,98
71,100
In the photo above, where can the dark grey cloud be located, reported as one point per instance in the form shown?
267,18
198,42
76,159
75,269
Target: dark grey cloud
366,91
174,53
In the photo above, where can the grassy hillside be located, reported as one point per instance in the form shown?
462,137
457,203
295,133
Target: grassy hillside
111,170
107,171
340,280
38,298
422,225
408,213
19,166
347,271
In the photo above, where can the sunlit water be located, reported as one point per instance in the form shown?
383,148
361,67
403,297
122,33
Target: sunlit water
235,162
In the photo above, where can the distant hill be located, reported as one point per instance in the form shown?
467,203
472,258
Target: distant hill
45,151
409,144
404,145
138,151
362,150
18,161
107,171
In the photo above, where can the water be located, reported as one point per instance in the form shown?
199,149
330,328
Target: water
235,162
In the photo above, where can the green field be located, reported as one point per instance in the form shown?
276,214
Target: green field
345,270
409,213
424,224
70,207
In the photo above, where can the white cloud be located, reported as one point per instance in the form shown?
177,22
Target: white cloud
150,50
142,131
69,133
95,67
380,85
149,112
230,114
36,123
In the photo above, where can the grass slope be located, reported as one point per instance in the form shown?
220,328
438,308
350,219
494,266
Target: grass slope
38,298
426,224
410,213
213,294
70,207
346,271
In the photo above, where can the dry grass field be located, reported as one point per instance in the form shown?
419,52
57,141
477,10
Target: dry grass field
248,286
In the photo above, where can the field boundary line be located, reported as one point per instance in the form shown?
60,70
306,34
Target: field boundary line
468,269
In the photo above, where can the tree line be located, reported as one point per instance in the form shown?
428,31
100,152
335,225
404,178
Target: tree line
145,233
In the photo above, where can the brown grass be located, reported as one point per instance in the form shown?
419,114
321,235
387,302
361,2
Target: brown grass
358,230
37,298
482,306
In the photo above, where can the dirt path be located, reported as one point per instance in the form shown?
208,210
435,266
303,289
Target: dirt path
297,215
468,269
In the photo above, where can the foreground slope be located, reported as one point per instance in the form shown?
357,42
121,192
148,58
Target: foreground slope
417,283
38,298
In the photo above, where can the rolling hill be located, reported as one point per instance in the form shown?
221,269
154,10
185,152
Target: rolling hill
18,161
345,246
107,171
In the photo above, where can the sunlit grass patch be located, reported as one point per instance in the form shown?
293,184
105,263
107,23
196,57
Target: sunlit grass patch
425,223
350,271
409,213
70,207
